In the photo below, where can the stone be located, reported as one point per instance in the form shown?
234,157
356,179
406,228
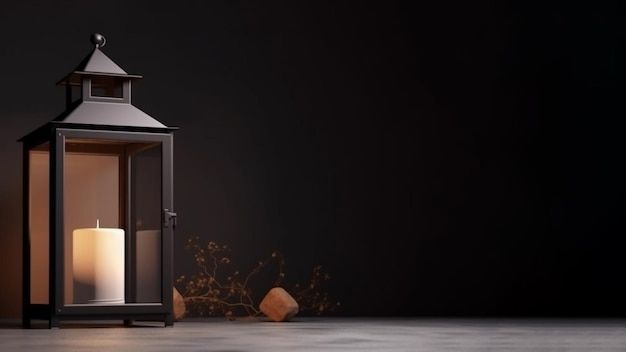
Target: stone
179,306
278,305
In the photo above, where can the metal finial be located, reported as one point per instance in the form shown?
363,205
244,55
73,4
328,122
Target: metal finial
98,40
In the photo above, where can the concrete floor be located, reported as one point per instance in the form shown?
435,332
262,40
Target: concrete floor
326,334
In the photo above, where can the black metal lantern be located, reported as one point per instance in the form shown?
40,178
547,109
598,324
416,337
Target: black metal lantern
97,205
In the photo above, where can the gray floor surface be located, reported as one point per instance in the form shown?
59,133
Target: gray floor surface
326,334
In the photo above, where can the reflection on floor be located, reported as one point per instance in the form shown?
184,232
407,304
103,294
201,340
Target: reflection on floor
326,334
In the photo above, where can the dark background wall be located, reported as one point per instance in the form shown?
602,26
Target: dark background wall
443,158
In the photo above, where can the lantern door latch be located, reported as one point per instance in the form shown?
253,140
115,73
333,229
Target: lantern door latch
169,219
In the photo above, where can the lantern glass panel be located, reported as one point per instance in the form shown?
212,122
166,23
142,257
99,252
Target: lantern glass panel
112,221
38,224
146,222
94,258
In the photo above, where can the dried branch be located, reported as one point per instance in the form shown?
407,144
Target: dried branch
208,294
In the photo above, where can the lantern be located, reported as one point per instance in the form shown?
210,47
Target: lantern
97,205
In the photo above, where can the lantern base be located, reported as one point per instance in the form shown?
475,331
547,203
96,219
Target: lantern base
129,313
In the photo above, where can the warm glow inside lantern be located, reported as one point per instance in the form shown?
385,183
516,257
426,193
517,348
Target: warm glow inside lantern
97,205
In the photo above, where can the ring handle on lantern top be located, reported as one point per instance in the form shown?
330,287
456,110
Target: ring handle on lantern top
98,40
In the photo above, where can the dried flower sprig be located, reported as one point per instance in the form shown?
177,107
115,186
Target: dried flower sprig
209,293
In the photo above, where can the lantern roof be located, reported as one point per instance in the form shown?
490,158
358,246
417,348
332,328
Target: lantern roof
97,110
110,114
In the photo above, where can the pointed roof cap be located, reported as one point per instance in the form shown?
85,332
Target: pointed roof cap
96,63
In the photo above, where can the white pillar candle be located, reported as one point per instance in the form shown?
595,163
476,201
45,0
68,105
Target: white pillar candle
98,256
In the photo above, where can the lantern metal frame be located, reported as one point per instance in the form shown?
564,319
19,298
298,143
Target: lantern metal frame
134,137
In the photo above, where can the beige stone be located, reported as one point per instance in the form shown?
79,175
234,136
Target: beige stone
179,305
278,305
